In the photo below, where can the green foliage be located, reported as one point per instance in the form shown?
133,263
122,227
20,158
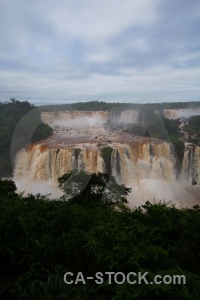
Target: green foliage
82,187
163,128
7,187
73,183
11,115
40,240
171,126
155,127
42,132
117,106
193,128
194,123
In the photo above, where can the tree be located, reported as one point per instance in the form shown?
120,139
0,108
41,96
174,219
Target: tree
7,187
20,124
82,187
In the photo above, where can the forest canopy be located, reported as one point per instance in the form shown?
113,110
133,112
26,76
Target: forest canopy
118,106
41,239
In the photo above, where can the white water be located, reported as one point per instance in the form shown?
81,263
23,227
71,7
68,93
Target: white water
181,113
88,118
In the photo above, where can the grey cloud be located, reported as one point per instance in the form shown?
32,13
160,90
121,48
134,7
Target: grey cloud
80,50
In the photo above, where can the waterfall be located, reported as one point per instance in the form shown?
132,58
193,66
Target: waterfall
146,165
88,118
131,161
181,113
126,116
74,118
191,163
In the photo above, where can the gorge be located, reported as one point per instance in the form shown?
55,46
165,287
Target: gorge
81,141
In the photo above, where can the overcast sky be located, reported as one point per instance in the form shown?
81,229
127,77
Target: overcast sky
60,51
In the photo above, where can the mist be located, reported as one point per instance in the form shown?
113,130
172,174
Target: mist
181,113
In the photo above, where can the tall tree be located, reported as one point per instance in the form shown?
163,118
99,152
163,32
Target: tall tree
80,186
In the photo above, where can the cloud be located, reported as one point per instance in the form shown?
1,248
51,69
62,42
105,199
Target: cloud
110,49
97,21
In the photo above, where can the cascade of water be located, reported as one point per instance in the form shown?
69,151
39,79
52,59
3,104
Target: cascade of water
191,163
74,118
181,113
128,161
88,118
141,163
